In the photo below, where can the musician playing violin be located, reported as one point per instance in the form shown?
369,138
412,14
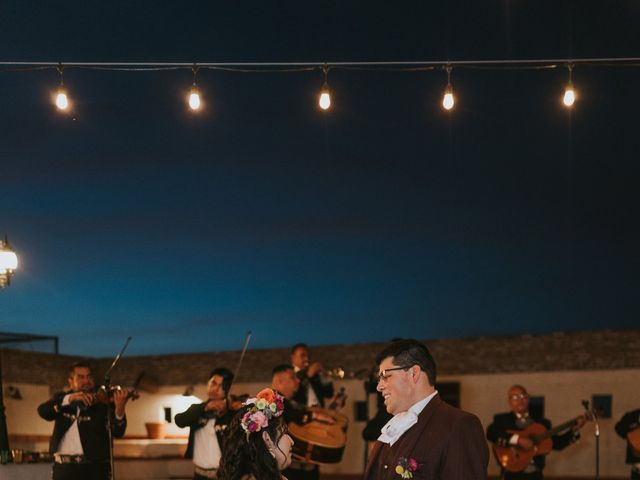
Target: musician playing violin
208,422
501,433
80,440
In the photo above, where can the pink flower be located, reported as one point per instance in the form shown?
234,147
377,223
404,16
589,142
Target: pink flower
413,465
259,419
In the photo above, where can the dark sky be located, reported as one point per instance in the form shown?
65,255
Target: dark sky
385,217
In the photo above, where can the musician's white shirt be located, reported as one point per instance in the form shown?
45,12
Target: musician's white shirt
70,443
206,449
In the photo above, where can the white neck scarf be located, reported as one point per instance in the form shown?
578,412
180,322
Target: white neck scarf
403,421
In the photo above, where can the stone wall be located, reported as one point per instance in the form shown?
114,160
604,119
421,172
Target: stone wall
586,350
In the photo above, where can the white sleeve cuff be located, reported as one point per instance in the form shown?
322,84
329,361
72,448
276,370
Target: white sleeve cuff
65,400
514,439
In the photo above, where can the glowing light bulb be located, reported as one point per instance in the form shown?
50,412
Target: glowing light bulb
448,100
62,102
325,99
569,96
194,99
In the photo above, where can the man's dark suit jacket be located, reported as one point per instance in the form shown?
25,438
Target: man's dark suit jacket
630,421
321,390
92,426
447,443
195,417
498,433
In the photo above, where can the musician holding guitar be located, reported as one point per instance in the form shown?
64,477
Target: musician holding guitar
629,428
521,440
208,422
285,382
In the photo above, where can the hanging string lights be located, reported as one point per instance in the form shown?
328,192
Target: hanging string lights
324,100
448,101
569,96
194,95
61,99
63,103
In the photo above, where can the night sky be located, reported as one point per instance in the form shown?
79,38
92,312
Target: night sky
385,217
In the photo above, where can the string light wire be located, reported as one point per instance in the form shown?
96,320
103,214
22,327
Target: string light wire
63,104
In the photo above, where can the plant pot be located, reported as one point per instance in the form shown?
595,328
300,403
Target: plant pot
155,430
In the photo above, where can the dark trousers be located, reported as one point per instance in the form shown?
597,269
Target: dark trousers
635,475
297,474
81,471
523,476
199,477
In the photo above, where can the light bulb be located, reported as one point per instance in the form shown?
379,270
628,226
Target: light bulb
62,102
194,99
325,99
8,261
448,100
569,96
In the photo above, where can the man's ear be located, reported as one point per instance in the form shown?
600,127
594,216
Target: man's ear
415,373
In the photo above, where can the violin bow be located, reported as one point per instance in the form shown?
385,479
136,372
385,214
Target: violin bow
247,338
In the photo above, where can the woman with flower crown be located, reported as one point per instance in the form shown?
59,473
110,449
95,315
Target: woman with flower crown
258,446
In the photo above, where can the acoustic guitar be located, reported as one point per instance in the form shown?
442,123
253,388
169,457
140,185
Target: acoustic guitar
319,442
515,459
634,440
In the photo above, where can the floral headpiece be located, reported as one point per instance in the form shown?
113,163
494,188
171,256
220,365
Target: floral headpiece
267,405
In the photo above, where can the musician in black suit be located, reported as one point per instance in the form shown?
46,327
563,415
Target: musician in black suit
630,421
285,382
313,389
500,433
80,440
209,422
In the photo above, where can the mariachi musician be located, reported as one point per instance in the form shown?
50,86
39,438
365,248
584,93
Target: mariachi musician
629,428
285,382
313,388
503,432
208,422
80,440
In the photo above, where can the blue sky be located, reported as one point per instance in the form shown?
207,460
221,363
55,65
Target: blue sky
384,218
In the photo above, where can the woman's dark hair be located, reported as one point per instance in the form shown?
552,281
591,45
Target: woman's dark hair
249,455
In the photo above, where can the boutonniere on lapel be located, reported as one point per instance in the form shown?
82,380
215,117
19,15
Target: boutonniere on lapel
406,466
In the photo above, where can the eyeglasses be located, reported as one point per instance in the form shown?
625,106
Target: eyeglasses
383,375
518,396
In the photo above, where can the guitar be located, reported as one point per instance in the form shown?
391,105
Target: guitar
320,442
515,459
634,440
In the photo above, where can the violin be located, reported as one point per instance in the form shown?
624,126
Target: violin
221,407
101,395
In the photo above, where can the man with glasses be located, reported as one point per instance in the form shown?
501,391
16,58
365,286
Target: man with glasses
503,432
426,438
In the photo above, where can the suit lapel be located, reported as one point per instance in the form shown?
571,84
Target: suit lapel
407,442
373,458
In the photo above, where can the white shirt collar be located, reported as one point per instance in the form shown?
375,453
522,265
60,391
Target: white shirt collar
403,421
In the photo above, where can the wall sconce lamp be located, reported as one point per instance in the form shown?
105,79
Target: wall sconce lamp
8,262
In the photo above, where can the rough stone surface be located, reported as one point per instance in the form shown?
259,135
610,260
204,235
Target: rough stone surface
586,350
